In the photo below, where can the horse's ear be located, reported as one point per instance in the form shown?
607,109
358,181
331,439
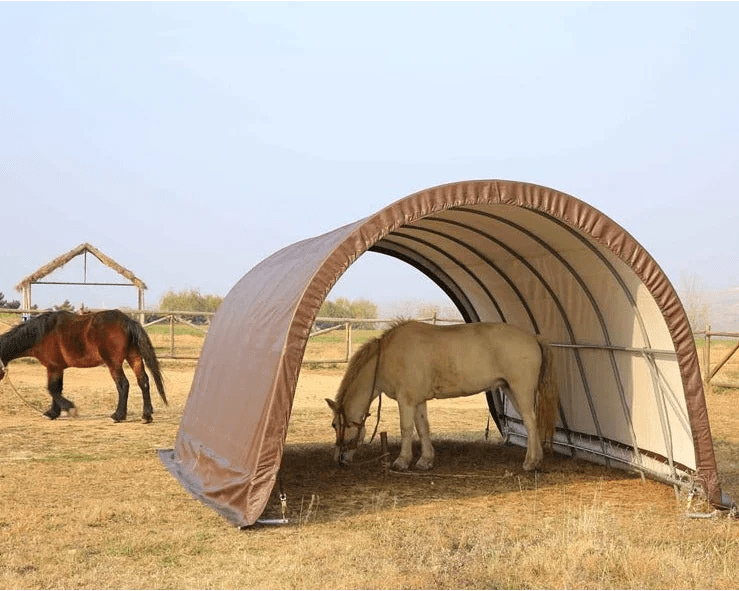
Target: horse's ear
331,404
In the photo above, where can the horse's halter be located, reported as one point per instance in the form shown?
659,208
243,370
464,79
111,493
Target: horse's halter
344,422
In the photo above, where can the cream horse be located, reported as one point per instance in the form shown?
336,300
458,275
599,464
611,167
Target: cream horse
413,362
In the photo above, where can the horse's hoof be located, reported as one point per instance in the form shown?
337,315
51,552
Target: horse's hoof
117,419
147,420
49,416
400,466
421,465
72,412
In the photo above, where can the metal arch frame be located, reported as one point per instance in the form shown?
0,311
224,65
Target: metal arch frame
429,268
457,262
591,298
659,393
555,299
494,399
438,276
486,259
495,402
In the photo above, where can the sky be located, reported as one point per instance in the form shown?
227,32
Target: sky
189,141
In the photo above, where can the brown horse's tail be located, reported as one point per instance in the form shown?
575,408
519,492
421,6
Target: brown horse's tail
547,397
140,339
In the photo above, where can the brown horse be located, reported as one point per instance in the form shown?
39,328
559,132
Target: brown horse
62,339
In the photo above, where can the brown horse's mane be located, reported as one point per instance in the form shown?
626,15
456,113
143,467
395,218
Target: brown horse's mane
361,357
25,335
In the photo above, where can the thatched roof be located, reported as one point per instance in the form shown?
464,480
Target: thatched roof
62,260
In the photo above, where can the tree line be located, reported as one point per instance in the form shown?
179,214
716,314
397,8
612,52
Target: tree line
14,305
191,300
345,308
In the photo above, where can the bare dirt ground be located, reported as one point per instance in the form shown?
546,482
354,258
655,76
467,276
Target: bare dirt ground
85,503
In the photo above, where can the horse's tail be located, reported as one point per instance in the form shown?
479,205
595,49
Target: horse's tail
140,339
547,397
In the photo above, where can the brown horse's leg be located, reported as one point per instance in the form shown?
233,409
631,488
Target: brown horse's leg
58,402
137,364
121,383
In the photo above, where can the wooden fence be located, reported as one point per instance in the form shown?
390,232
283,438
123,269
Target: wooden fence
168,347
199,321
348,324
173,346
710,373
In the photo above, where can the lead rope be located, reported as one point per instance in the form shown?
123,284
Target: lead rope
4,369
377,424
374,383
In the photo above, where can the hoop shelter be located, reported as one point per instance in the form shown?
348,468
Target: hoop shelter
631,394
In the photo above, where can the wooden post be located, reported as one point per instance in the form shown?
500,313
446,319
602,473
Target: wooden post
707,360
142,318
385,452
171,335
27,297
348,341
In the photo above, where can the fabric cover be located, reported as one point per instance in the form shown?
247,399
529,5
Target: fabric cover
627,367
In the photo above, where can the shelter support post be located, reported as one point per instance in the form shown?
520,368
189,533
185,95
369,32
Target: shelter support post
142,307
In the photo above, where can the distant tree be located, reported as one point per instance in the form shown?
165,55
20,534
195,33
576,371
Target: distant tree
190,300
694,301
344,308
428,310
14,305
65,306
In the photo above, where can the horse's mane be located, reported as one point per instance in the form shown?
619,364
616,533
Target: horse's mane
360,359
25,335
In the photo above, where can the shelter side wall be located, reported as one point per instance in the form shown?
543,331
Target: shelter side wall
235,420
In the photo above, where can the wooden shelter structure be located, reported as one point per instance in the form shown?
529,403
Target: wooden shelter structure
36,278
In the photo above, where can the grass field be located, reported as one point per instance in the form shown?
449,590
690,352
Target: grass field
85,503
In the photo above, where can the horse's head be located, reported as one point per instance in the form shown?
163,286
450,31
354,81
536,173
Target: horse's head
349,433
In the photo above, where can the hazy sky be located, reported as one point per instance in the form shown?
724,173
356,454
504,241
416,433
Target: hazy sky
190,141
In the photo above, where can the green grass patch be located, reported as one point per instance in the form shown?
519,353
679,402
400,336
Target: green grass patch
179,330
359,337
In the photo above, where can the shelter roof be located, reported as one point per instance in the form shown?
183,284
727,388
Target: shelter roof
631,392
63,259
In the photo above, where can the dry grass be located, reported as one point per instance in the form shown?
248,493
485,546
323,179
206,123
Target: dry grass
86,503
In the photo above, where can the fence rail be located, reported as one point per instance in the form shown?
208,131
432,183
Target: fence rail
171,346
149,318
710,379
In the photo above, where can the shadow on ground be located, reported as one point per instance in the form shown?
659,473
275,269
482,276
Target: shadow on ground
320,491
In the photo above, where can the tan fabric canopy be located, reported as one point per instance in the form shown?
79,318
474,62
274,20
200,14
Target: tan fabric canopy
631,389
